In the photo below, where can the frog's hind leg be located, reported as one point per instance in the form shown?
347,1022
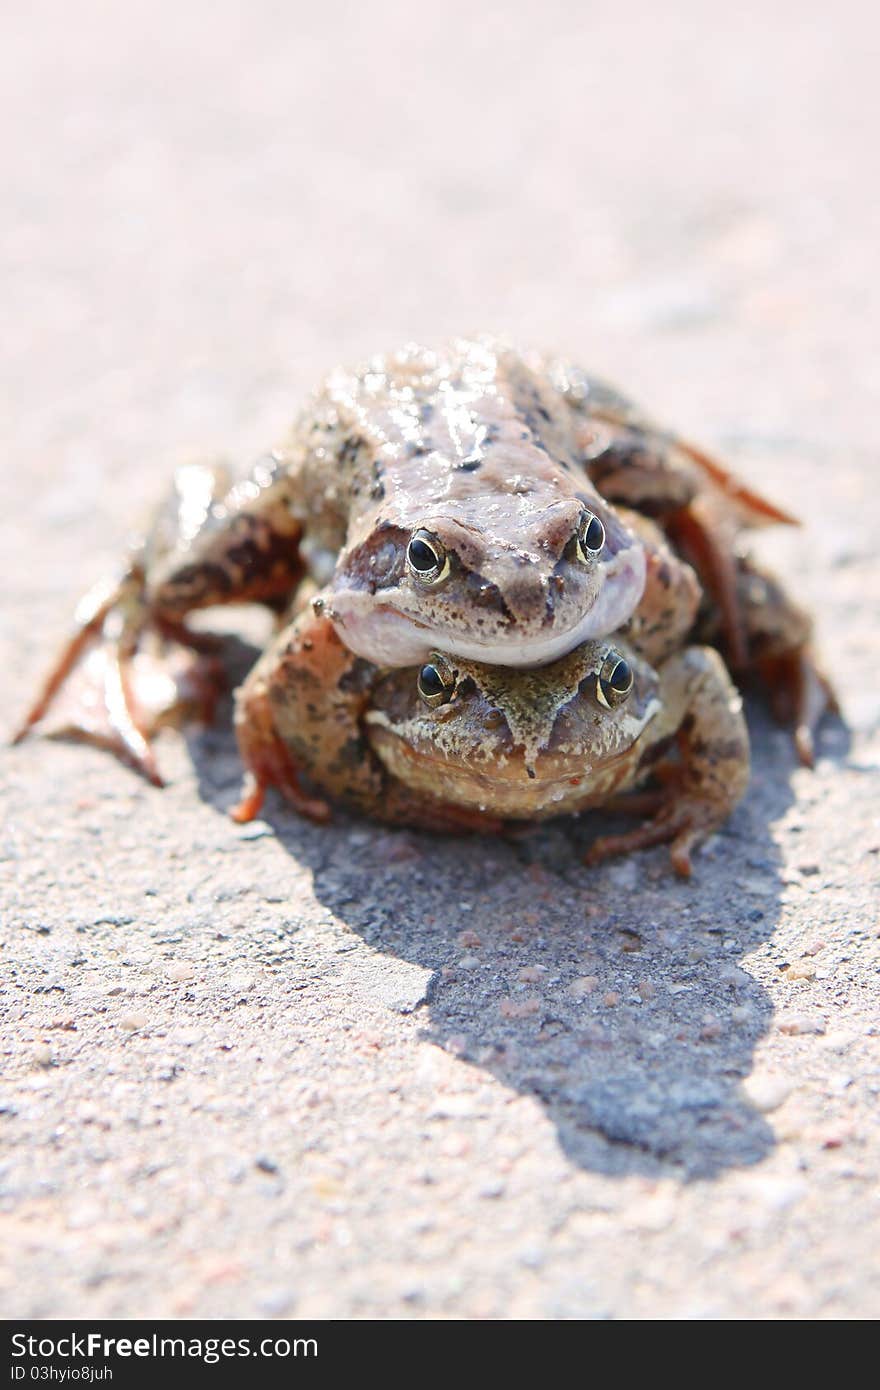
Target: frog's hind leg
779,654
636,462
657,471
651,475
780,636
111,688
644,465
101,705
213,544
634,469
703,711
709,547
297,720
91,612
207,544
800,696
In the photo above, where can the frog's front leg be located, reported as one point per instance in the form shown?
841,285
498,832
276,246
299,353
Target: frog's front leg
299,720
702,713
208,544
298,716
671,597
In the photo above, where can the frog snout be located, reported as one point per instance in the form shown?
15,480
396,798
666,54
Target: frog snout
526,596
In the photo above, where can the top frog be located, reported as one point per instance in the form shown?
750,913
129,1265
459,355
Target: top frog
444,497
436,499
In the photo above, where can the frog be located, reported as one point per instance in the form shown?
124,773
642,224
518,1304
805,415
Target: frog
431,497
457,745
432,500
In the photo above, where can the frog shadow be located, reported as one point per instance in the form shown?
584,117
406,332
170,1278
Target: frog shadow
614,995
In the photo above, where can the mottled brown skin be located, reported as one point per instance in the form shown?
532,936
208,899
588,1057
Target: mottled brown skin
640,464
476,448
300,715
497,455
468,444
637,463
779,654
505,745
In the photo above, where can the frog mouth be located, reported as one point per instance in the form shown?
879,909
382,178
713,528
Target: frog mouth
402,640
510,782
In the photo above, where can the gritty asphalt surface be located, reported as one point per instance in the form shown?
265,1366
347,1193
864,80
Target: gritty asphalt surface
280,1070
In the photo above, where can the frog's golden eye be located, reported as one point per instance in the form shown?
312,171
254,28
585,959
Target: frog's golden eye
614,681
590,536
436,682
426,558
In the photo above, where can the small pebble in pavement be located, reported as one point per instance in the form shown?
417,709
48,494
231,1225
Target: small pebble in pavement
519,1008
132,1022
582,986
531,974
768,1091
179,971
801,1023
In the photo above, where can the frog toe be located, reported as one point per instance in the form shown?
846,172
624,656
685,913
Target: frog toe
117,681
684,826
268,760
800,695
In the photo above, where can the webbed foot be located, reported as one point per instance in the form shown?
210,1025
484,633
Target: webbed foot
683,825
119,679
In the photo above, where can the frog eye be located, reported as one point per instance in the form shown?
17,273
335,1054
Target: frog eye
426,558
436,682
614,681
590,536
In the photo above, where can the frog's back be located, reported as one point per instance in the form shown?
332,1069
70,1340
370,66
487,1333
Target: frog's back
421,427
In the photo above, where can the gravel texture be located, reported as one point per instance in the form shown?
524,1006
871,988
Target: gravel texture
280,1070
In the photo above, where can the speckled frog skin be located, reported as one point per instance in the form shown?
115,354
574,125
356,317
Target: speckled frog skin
435,500
429,504
457,744
439,500
466,457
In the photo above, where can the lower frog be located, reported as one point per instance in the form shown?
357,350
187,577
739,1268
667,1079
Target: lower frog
459,745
